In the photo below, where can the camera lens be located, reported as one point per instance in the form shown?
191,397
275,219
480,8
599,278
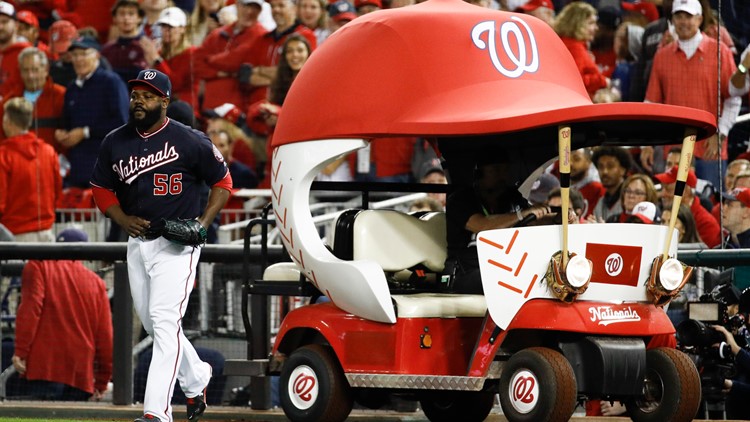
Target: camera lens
695,333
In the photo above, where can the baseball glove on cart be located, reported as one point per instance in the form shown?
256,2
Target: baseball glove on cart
185,232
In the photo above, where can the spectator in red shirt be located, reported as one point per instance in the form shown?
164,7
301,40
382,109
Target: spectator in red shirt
47,97
685,73
125,54
10,48
176,58
576,25
219,74
96,14
262,57
708,229
61,35
30,181
152,12
64,329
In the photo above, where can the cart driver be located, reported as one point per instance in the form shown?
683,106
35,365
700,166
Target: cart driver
493,202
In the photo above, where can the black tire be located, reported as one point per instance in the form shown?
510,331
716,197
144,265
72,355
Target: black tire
312,386
671,390
538,384
451,406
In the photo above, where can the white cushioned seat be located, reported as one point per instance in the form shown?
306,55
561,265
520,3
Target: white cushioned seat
439,305
282,271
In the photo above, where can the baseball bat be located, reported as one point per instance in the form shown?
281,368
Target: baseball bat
563,143
686,157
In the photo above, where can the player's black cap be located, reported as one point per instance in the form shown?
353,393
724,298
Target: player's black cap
154,79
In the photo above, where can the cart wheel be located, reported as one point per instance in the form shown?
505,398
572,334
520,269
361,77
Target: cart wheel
451,406
671,389
538,384
312,386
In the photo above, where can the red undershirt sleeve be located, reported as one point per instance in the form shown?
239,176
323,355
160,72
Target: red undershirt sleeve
225,183
104,198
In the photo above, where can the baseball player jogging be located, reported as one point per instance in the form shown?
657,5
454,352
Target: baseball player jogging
148,179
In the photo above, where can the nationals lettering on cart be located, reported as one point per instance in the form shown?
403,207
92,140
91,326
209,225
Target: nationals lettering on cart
606,315
137,165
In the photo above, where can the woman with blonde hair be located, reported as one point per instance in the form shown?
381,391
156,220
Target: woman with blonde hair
312,14
577,25
174,56
203,20
636,188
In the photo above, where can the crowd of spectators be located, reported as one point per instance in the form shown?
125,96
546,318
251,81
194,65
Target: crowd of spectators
233,61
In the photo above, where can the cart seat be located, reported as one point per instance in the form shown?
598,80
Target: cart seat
439,305
282,271
395,240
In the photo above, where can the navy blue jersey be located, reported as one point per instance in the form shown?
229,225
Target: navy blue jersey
159,175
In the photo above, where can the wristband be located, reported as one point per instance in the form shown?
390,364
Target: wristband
741,68
518,214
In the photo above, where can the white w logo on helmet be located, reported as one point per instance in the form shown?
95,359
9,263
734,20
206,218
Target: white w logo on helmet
519,60
149,75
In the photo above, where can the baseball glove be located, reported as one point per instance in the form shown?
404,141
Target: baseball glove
184,232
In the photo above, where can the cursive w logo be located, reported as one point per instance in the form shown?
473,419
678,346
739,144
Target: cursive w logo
520,61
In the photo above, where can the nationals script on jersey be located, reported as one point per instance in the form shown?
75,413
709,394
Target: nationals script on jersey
163,174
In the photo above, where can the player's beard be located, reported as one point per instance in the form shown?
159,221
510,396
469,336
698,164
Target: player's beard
150,118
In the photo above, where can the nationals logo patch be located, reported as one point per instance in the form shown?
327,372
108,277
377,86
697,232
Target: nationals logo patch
519,50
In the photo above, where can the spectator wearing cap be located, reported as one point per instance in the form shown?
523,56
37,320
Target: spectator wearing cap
221,77
643,213
341,12
577,25
47,97
28,29
151,13
367,6
66,305
708,228
613,164
125,53
176,57
95,103
736,216
30,181
692,61
541,188
312,14
542,9
61,35
10,48
229,118
640,13
260,59
637,188
734,169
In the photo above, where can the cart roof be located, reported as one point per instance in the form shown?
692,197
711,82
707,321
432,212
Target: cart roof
449,68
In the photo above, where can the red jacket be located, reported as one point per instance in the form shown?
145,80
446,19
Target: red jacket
592,77
265,51
184,81
90,13
48,111
708,229
30,184
10,75
64,325
223,89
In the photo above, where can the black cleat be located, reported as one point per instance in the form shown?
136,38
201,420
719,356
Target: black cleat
195,407
148,418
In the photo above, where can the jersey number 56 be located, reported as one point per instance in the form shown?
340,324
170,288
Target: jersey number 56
165,184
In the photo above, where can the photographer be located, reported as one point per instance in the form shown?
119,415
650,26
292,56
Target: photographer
737,388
